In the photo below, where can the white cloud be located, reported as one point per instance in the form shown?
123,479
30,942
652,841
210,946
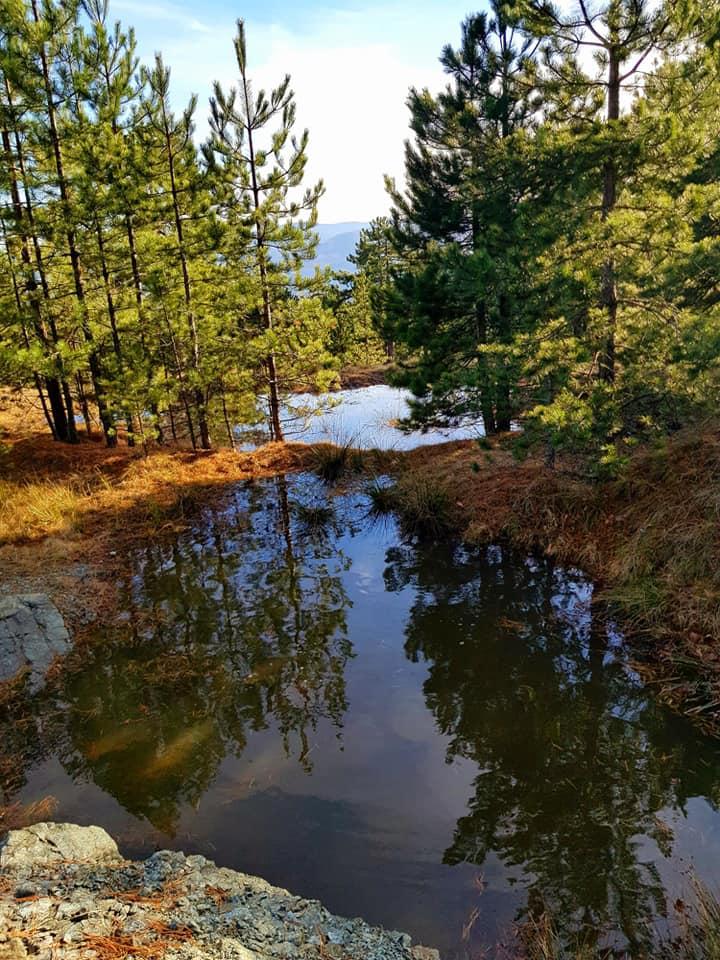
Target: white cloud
352,99
350,93
160,11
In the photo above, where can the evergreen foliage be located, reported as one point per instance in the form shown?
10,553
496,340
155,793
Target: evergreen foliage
150,286
551,258
553,244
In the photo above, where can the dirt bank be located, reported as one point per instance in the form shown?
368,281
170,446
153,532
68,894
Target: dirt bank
651,539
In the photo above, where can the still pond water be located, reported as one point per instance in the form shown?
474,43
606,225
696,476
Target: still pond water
365,416
429,736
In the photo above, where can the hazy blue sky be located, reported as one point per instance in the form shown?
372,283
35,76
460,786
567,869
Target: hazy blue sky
351,65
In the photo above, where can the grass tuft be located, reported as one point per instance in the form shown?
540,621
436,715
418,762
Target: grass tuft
36,509
424,506
383,496
333,462
422,503
314,516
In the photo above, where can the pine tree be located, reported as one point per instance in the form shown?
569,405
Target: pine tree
257,174
595,364
21,228
622,36
170,138
101,147
375,256
458,223
50,40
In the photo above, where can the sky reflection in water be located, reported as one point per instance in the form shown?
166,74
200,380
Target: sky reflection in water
368,417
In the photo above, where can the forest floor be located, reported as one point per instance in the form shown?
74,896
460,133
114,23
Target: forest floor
65,509
650,539
353,377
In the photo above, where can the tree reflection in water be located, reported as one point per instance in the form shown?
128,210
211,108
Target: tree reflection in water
241,626
575,761
236,626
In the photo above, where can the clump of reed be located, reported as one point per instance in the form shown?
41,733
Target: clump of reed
383,495
698,936
334,461
314,516
540,939
422,503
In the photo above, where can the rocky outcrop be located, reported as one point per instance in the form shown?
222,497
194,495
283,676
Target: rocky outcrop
65,892
32,635
36,847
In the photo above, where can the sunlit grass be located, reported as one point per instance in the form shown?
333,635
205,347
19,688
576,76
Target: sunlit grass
36,509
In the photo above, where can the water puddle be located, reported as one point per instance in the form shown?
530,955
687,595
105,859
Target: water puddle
367,417
431,737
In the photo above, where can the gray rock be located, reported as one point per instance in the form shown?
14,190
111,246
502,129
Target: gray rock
46,843
32,634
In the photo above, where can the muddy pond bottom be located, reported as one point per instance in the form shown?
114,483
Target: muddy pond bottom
431,737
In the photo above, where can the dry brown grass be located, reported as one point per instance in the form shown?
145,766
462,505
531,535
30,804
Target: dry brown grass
66,504
352,377
152,946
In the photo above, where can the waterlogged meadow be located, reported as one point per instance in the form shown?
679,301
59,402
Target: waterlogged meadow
437,738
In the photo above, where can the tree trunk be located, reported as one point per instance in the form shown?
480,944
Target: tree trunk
139,300
57,387
609,298
183,388
486,406
112,314
276,431
26,337
93,357
198,396
504,405
84,405
57,416
228,425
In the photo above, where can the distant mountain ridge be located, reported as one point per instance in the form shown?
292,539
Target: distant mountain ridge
337,243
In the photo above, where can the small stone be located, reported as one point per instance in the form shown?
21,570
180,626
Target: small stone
425,953
25,889
234,950
74,935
